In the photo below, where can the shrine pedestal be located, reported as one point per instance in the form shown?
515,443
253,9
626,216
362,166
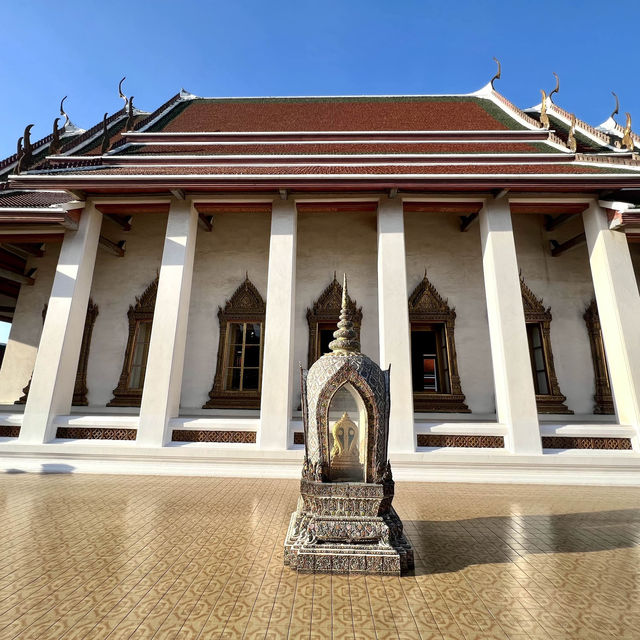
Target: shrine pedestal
347,527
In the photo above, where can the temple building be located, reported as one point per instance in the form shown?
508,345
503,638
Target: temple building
167,274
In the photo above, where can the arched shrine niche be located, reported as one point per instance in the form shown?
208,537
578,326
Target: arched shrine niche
347,436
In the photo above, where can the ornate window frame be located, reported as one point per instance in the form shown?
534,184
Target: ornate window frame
426,306
326,310
80,389
245,305
536,313
602,396
142,311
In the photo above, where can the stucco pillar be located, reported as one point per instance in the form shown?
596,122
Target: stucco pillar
393,311
513,379
165,362
618,301
277,367
54,374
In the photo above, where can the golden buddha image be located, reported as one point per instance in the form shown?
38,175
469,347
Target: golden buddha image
345,454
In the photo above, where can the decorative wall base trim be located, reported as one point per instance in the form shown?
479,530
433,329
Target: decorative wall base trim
298,437
193,435
95,433
474,442
557,442
9,431
589,467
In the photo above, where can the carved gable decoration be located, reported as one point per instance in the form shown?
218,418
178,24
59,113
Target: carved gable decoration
245,301
245,305
326,310
426,304
147,301
534,309
80,389
603,397
141,311
327,306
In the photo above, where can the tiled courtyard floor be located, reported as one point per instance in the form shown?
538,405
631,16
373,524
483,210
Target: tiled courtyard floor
168,557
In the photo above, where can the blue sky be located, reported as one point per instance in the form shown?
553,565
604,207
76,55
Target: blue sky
247,48
299,47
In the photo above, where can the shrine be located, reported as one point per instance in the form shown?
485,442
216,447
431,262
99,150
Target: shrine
345,522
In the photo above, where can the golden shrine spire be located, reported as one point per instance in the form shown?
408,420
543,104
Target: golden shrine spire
345,337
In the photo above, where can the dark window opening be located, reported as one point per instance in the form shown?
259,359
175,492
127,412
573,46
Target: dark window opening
538,360
429,361
325,336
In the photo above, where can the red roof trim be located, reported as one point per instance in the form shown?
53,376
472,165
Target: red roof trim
253,136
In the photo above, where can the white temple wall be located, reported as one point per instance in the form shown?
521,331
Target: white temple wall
345,243
26,328
565,284
238,245
116,283
453,261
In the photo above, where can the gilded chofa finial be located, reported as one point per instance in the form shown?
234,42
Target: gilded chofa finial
572,143
544,118
54,145
617,109
345,337
121,95
627,140
498,74
64,113
129,123
556,89
105,135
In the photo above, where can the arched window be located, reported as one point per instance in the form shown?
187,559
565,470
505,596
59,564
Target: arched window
549,398
80,389
434,367
238,377
128,393
602,396
323,319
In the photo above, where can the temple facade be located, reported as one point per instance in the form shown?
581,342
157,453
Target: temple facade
167,273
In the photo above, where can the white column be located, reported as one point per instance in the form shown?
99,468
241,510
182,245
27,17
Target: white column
394,329
513,379
165,362
277,364
618,301
54,374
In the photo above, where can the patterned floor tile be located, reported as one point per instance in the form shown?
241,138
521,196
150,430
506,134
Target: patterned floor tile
201,558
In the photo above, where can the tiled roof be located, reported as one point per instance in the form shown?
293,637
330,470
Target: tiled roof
344,169
19,199
351,148
419,137
339,114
